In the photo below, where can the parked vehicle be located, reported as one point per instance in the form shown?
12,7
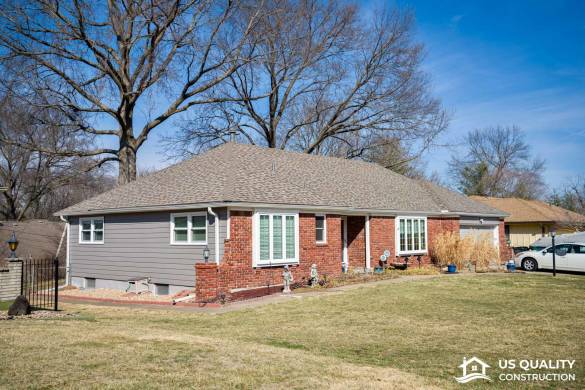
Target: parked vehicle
520,249
569,257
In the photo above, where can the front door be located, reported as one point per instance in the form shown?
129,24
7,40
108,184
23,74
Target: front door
344,255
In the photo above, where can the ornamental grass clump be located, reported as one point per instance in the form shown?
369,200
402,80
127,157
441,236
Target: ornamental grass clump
451,248
484,252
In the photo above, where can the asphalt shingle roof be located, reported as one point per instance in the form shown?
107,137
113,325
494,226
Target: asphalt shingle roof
251,174
522,210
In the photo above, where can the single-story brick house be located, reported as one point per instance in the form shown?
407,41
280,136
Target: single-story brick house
255,210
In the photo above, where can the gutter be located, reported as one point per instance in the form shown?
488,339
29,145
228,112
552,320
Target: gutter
67,259
216,225
252,205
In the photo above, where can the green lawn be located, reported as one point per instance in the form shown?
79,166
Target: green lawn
4,305
400,335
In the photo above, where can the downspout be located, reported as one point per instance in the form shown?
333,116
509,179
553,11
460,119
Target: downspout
67,228
368,255
216,225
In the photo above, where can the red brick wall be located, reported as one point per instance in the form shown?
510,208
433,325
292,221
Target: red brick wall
236,271
506,252
207,276
356,243
436,226
381,238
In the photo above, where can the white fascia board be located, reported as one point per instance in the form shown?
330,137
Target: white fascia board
303,208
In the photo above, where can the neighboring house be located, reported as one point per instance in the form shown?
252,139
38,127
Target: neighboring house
37,238
257,209
529,220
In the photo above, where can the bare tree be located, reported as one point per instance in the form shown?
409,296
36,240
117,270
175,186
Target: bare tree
571,197
39,183
121,68
326,77
497,162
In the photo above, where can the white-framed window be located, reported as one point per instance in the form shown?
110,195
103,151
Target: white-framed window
320,228
189,228
411,235
91,230
275,238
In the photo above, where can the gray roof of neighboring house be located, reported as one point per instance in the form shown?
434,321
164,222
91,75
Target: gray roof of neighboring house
244,174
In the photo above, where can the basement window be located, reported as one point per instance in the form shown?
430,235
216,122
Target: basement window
161,289
89,283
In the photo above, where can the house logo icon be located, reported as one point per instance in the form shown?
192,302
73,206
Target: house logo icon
473,369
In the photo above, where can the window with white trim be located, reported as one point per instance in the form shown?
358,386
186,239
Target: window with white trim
189,228
320,228
412,235
276,238
91,230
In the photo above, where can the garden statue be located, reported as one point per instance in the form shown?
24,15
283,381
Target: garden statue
288,279
314,276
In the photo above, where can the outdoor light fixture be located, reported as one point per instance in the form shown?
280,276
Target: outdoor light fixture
553,233
12,244
206,254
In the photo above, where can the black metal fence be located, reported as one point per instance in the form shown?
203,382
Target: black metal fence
40,283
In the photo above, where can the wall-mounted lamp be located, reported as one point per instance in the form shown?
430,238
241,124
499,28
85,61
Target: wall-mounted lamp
12,245
206,254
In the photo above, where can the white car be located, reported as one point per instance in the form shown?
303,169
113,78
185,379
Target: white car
569,257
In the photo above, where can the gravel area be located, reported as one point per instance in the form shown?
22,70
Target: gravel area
115,294
38,315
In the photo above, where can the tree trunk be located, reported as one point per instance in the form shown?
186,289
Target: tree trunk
127,164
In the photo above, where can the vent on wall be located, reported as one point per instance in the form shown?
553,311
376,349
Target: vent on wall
161,289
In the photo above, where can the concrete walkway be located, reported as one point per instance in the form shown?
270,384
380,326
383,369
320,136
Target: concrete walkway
276,298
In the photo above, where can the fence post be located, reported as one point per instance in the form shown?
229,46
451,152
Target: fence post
56,274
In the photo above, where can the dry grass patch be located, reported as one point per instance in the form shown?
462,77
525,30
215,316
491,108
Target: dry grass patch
399,335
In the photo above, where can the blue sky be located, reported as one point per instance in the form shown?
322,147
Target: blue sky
510,63
498,63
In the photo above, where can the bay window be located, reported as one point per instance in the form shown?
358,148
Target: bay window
91,230
189,228
275,238
412,235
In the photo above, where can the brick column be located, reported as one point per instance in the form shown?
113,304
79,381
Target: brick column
206,282
506,252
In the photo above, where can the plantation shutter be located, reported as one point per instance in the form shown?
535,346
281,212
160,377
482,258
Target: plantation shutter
290,237
277,237
264,237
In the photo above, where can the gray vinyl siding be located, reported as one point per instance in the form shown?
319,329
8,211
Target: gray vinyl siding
138,245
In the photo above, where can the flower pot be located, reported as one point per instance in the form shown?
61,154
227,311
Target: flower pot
511,266
451,268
